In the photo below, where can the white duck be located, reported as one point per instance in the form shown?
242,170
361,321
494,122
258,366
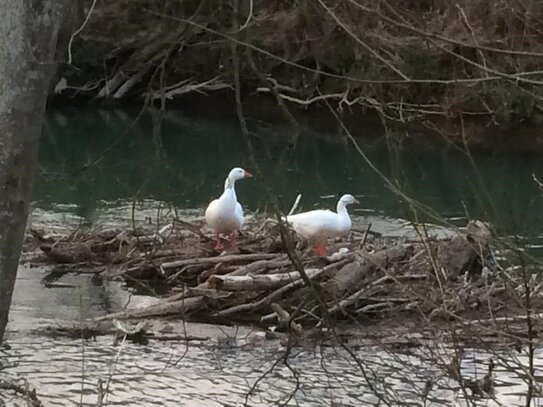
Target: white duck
318,225
225,214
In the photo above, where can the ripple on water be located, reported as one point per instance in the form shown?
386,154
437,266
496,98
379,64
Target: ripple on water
210,376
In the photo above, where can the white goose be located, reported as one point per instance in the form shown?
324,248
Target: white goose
225,214
318,225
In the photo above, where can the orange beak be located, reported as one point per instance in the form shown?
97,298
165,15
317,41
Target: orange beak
248,174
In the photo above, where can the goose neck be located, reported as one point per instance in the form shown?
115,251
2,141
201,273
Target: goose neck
342,208
229,183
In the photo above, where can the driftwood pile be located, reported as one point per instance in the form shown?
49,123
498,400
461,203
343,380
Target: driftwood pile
365,276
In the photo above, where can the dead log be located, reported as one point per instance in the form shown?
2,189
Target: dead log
260,266
352,276
180,308
278,261
218,259
75,253
348,278
458,257
259,282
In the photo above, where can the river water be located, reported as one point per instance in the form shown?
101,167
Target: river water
92,157
94,163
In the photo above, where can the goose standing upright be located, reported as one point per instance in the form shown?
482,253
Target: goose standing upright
318,225
225,214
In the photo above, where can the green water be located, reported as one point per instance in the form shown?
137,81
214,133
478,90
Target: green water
93,156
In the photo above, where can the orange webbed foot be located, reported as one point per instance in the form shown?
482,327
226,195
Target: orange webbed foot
320,249
219,245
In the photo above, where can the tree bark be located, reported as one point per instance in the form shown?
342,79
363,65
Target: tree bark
29,34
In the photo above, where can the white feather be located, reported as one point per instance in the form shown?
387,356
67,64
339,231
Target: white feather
225,214
318,225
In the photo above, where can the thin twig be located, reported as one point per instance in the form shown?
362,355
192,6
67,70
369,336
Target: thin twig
79,30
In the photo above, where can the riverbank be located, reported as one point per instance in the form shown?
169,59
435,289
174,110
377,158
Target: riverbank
432,61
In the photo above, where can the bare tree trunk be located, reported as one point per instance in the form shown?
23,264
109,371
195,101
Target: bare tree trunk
29,33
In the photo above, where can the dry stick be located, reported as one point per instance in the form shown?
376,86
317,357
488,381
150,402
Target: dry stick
435,266
341,305
260,266
365,237
472,32
78,31
261,377
372,103
373,307
362,43
536,180
284,318
245,131
530,328
105,391
249,16
133,222
256,267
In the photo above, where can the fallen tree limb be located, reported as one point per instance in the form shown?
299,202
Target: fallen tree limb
352,276
249,268
218,259
180,307
277,293
259,282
